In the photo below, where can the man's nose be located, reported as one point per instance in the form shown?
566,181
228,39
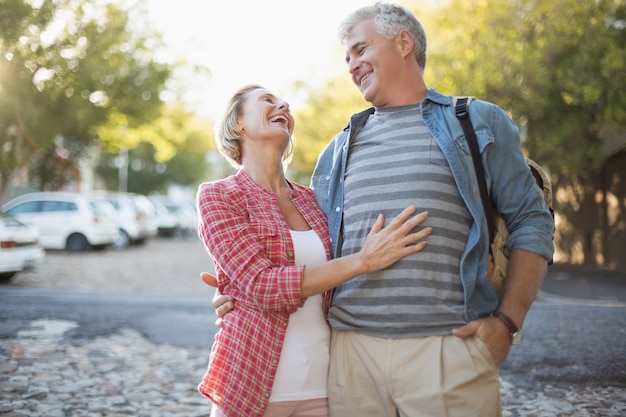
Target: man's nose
352,66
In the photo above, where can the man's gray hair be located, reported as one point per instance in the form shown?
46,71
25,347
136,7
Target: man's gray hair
390,19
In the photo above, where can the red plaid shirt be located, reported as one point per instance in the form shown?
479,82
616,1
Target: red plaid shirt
244,231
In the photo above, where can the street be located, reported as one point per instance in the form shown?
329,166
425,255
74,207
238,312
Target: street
130,332
570,345
177,320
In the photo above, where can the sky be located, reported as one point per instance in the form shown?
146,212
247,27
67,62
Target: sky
269,42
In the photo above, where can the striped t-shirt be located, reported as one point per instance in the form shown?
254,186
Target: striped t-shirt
394,162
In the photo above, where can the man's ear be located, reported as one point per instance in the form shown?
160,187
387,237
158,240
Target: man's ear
406,43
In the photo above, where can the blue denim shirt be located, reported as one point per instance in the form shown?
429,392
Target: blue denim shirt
509,180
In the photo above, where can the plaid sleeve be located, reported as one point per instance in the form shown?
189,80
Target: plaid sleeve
250,256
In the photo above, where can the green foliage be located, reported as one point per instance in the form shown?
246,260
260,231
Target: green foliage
166,131
77,76
66,66
170,150
558,66
327,111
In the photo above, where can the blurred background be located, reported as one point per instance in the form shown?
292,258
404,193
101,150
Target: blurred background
101,97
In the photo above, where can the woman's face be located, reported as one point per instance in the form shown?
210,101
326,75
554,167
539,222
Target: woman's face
266,115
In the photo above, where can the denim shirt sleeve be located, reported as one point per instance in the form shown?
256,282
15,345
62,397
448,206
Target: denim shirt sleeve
320,180
508,177
510,184
327,178
327,186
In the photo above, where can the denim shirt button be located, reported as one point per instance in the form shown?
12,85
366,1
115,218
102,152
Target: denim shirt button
327,177
337,209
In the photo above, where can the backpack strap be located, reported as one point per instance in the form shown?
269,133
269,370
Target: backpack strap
461,108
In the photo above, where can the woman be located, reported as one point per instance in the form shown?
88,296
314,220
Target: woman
271,251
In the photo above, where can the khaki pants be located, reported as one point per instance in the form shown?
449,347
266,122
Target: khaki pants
414,377
317,407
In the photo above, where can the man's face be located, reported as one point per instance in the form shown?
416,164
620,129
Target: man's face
375,64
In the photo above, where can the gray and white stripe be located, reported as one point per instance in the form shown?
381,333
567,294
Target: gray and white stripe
394,162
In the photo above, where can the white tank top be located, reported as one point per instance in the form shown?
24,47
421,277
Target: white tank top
302,372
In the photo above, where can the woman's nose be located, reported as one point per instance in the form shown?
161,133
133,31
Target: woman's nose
282,104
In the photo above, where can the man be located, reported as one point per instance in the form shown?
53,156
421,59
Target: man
424,337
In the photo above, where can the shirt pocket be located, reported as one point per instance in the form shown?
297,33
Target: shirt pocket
264,230
484,138
270,237
435,155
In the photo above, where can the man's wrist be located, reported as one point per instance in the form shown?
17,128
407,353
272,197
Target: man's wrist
514,331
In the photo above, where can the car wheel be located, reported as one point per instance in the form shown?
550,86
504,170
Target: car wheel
122,240
76,243
6,276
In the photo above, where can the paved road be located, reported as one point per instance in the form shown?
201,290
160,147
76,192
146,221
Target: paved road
570,345
109,333
162,266
177,320
127,333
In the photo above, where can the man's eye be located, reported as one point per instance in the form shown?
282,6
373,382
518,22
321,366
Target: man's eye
361,50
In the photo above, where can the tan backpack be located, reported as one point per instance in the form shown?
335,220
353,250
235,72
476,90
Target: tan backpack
498,232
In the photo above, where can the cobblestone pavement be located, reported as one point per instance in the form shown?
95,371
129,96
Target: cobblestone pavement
126,375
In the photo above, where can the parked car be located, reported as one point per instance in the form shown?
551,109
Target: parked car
174,218
135,214
71,221
188,216
19,247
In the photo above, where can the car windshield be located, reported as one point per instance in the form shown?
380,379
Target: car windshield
101,207
144,205
9,221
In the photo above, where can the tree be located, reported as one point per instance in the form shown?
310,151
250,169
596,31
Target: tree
170,150
559,67
66,67
328,108
327,111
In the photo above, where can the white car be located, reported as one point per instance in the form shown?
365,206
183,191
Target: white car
19,247
174,218
67,221
136,217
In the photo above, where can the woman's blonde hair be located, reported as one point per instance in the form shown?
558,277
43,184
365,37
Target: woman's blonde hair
229,134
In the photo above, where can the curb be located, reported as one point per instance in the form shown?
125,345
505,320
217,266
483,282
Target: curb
545,297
